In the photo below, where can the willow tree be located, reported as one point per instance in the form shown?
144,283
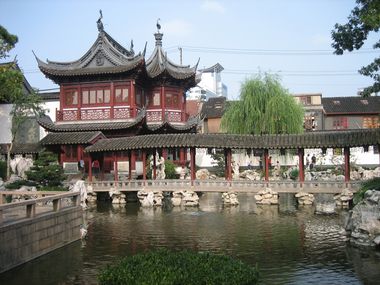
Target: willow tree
264,107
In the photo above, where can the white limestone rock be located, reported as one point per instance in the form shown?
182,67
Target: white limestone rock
230,199
202,174
150,198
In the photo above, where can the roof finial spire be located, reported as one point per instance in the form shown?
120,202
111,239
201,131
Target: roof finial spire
158,35
99,22
158,25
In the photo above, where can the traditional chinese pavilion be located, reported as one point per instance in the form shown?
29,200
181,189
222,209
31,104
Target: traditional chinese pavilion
112,92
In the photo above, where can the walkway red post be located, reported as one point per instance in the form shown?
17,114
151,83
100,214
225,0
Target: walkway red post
192,165
130,165
228,154
115,169
346,164
90,168
154,165
301,153
144,164
266,163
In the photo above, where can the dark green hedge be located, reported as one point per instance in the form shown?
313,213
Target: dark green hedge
163,267
3,169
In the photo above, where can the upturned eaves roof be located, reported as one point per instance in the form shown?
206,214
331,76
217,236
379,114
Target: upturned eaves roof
115,59
71,138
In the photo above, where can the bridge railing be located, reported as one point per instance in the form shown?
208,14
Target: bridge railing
28,208
224,185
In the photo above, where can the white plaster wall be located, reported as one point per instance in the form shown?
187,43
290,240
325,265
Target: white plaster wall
50,108
5,123
357,156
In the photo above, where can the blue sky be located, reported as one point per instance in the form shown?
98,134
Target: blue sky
290,38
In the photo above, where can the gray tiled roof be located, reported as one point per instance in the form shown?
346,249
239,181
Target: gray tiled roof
214,107
48,124
158,63
351,105
307,140
70,138
105,56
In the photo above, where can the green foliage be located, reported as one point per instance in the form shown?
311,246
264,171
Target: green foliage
18,183
264,107
294,173
46,171
169,268
371,184
364,18
170,170
3,169
7,42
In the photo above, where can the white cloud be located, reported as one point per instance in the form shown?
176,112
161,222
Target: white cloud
212,6
177,27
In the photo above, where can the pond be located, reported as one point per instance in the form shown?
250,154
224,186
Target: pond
290,246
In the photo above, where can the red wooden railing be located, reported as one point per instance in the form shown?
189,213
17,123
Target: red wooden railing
117,113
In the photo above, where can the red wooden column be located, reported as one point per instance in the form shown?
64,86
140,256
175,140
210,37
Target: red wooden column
90,168
346,164
144,164
266,163
62,155
115,169
112,101
130,164
182,159
301,153
154,165
163,102
192,165
133,100
228,162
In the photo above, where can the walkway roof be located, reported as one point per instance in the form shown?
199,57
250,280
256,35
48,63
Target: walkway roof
328,139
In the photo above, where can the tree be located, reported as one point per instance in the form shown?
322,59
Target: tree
46,171
10,77
364,18
11,90
265,107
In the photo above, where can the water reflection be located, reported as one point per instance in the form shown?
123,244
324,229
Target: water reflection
291,246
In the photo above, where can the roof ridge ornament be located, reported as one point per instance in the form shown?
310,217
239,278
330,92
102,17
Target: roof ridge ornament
158,35
99,22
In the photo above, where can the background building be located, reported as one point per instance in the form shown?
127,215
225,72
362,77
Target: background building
211,84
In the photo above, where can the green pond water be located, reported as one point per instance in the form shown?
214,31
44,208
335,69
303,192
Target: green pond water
290,245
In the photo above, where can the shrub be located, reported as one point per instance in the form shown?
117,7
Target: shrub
294,173
169,268
3,170
371,184
170,170
46,171
18,183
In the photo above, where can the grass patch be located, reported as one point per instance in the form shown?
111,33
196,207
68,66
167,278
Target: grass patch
371,184
164,267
